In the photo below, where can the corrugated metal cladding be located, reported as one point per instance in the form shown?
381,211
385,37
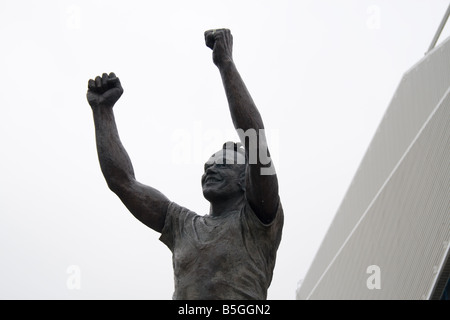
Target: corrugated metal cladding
396,213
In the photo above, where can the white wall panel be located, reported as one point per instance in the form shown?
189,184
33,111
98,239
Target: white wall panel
396,213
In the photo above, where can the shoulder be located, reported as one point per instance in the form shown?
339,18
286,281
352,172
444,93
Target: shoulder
276,223
259,235
176,218
176,213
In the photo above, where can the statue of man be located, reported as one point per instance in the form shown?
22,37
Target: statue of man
229,253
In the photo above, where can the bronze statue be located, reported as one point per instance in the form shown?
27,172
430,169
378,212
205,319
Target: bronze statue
229,253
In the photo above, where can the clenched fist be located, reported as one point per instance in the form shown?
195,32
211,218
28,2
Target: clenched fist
104,91
221,43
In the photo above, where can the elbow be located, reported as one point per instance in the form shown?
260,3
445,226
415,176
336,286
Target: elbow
119,187
114,186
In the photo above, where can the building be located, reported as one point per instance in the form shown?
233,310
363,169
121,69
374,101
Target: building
390,236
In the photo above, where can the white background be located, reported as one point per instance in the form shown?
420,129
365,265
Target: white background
322,74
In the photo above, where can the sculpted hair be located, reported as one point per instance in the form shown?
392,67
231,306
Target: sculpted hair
237,147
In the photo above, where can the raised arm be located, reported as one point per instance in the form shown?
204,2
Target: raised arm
261,180
147,204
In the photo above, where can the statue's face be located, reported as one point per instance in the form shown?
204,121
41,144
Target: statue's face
223,179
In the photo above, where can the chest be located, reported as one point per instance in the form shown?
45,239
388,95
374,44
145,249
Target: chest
209,245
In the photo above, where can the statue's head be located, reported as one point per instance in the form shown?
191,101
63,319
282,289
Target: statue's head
224,175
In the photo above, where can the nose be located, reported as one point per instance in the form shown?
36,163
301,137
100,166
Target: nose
210,170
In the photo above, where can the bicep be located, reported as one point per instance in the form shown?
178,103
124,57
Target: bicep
262,192
147,204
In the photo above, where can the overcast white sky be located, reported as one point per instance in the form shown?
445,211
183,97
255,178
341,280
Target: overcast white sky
321,72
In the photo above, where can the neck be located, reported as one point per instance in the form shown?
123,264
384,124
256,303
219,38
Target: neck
222,206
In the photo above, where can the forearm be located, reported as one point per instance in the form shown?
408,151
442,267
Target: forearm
114,160
243,110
